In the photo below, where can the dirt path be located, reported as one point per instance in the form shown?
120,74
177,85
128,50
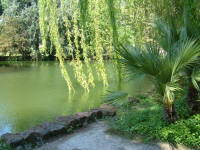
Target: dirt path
94,137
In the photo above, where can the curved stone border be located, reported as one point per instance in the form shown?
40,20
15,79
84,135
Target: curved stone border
62,125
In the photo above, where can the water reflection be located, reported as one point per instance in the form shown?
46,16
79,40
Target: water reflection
36,92
4,124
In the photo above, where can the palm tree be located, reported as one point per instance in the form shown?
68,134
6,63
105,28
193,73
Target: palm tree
161,67
191,30
170,34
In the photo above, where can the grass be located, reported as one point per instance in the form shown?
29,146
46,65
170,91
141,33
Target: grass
144,120
3,146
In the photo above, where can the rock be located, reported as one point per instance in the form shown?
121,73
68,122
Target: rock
74,121
51,129
38,134
32,136
96,114
13,140
67,121
108,110
38,130
63,124
83,117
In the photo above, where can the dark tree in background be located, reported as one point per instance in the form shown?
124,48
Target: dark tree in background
1,8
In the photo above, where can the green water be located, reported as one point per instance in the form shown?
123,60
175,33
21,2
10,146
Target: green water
33,92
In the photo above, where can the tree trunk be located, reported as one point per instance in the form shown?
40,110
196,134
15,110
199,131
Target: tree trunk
192,97
170,114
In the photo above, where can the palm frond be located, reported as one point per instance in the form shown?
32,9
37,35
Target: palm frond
168,33
112,97
161,67
164,33
149,61
196,77
186,54
141,60
191,19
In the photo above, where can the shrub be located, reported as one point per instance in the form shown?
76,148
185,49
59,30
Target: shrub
185,132
14,38
145,120
19,29
3,146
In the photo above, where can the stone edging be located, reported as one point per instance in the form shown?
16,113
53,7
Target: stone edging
62,125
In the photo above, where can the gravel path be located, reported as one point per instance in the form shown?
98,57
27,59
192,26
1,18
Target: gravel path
94,137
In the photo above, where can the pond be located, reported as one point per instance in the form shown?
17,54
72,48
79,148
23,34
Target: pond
33,92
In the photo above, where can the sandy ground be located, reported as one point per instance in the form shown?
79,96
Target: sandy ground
94,137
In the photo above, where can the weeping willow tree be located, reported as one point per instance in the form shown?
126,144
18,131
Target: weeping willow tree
93,31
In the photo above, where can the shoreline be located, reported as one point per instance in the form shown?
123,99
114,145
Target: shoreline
42,58
63,125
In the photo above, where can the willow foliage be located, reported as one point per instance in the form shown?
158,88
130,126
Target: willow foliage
43,22
50,6
93,30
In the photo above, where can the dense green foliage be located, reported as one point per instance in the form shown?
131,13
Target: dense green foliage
175,49
172,53
161,67
1,8
144,120
19,30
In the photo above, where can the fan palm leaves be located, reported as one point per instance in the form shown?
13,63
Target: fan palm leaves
161,67
170,35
